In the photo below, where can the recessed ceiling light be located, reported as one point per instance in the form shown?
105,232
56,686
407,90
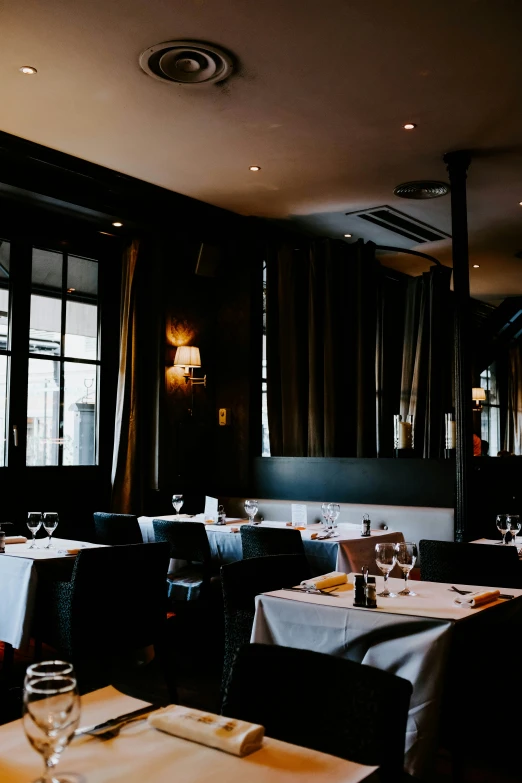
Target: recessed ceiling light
28,69
409,126
520,202
118,225
347,236
476,266
70,290
254,168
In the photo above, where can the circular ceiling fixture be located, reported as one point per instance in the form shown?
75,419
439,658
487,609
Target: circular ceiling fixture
27,69
410,126
187,62
422,188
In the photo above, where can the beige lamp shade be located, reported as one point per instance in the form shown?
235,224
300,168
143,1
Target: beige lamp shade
477,394
187,356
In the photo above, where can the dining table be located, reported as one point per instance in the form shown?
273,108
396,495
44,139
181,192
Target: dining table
442,647
345,550
141,752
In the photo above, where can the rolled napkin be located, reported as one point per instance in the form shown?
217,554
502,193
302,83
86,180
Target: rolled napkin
479,598
15,540
332,579
233,736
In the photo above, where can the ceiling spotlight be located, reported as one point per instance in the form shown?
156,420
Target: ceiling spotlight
476,266
27,69
118,225
70,290
409,126
520,202
347,236
254,168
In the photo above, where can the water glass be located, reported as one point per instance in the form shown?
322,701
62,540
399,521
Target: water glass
325,510
502,525
386,558
50,523
251,507
34,523
177,502
514,524
407,554
48,669
51,714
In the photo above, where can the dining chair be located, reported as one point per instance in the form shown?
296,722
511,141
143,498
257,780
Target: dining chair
241,582
116,529
454,562
113,607
258,541
323,702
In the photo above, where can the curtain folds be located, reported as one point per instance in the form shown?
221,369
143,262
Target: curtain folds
513,436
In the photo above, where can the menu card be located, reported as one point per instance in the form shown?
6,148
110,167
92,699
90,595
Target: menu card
211,508
299,515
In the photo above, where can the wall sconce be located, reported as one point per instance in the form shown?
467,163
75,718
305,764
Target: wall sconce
478,396
188,356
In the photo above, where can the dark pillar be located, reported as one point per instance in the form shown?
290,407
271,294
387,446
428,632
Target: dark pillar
457,164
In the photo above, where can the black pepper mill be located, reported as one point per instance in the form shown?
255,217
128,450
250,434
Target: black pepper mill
359,597
2,537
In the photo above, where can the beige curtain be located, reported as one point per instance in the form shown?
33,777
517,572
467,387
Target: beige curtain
513,439
126,473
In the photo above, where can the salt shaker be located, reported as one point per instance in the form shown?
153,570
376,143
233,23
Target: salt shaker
370,591
366,526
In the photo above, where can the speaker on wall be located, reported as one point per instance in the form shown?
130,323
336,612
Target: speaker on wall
209,260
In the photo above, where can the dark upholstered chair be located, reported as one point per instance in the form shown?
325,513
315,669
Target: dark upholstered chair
188,541
241,582
258,541
114,605
361,711
469,564
114,529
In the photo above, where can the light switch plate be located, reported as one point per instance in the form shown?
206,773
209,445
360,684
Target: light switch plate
224,417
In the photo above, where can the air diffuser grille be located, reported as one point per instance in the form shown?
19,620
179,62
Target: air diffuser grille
187,62
400,223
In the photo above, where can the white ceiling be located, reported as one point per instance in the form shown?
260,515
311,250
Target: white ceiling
319,101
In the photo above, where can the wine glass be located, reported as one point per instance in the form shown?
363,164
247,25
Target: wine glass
407,554
514,524
325,510
177,502
335,510
51,714
34,523
502,525
48,669
251,507
386,557
50,523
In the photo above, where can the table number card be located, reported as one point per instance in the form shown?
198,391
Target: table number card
211,508
299,516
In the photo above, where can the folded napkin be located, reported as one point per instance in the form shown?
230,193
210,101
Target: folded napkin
332,579
233,736
15,540
479,598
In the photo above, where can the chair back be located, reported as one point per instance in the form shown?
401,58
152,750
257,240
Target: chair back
115,529
258,541
187,540
469,564
358,712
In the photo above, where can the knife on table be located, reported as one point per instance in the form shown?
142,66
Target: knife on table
112,723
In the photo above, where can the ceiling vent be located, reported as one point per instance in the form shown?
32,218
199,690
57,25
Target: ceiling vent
393,220
421,189
187,62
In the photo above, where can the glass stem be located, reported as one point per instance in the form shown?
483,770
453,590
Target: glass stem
406,575
50,763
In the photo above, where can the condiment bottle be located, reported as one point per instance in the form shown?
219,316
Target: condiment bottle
366,526
359,597
370,590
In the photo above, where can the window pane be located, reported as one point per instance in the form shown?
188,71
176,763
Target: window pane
82,276
81,330
4,293
43,411
46,324
3,400
47,270
79,430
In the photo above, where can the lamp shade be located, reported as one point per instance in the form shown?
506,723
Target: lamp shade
477,394
187,356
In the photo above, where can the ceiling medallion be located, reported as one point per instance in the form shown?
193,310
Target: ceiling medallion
422,189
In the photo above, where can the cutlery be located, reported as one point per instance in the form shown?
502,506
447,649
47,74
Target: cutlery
313,591
505,596
113,725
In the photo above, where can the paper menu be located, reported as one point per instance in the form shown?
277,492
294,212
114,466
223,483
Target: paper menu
211,508
299,515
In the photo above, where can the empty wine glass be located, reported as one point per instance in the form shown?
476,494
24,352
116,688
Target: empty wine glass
50,523
514,524
34,523
51,714
325,511
251,507
48,669
406,552
177,502
335,510
386,557
502,525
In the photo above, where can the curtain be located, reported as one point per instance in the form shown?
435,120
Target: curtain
426,388
388,358
321,300
513,436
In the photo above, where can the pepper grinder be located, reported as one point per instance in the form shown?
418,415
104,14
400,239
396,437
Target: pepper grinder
370,592
366,526
2,537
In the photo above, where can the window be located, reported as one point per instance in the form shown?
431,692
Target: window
265,443
4,343
490,415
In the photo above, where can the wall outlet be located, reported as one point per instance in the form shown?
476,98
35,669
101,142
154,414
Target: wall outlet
224,417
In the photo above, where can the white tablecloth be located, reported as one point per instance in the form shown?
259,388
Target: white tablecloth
141,753
348,551
409,636
18,584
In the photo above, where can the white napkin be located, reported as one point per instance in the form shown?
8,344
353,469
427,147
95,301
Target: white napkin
233,736
15,540
332,579
479,598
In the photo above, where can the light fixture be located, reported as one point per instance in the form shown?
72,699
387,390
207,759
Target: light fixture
478,397
27,69
70,290
254,168
188,356
347,236
118,225
409,126
476,266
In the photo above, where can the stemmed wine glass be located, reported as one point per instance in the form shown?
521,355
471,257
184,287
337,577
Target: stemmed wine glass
251,507
335,510
386,557
51,714
177,502
406,552
514,524
502,525
34,523
325,510
50,523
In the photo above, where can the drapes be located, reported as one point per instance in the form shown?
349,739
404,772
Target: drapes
513,433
